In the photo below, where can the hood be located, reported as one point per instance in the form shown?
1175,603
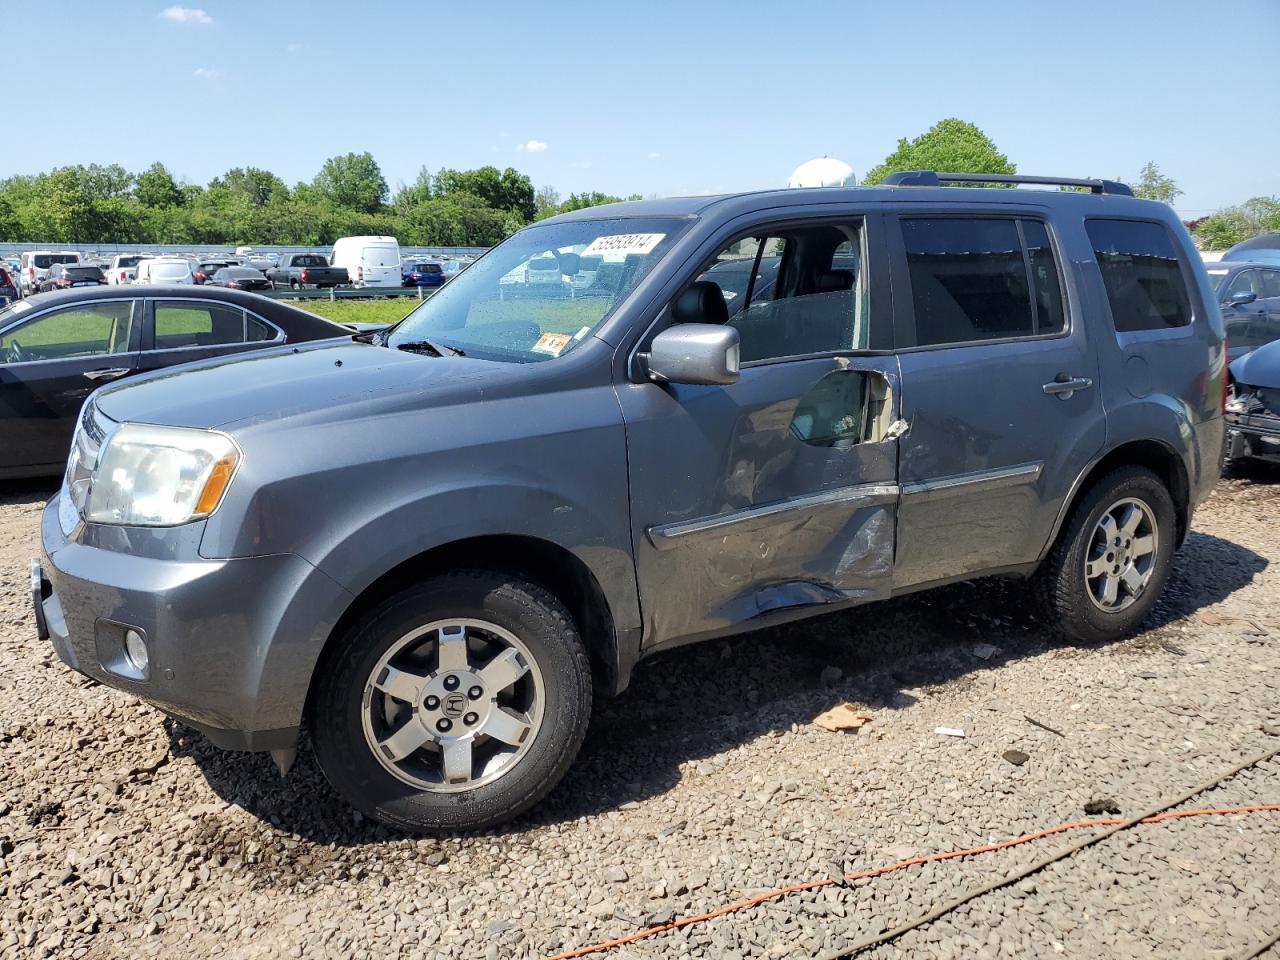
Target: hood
291,380
1259,368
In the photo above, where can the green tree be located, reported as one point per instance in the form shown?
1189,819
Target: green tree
353,180
252,185
10,226
110,182
64,207
1153,185
408,197
460,219
157,188
1230,225
951,145
546,203
503,190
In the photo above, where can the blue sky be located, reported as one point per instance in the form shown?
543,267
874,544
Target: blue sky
652,97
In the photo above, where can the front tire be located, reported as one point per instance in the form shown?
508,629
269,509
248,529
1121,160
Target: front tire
1112,558
456,704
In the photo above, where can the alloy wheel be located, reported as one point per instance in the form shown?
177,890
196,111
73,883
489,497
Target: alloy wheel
453,705
1121,557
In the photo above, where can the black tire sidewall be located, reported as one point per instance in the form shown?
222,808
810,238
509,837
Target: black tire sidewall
1081,617
541,623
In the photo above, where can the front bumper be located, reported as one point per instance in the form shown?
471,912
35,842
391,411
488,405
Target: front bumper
232,643
1252,435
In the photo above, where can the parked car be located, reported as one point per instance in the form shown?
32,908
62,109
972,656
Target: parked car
432,538
123,268
1253,405
455,265
240,278
64,276
165,270
369,261
1264,248
35,266
204,270
1249,296
299,271
57,347
8,287
259,263
423,273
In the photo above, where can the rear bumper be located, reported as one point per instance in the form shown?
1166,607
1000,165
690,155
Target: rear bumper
231,643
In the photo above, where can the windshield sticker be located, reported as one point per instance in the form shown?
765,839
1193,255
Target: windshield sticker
582,333
551,343
623,244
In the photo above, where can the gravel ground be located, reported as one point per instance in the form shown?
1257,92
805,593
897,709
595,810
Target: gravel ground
125,834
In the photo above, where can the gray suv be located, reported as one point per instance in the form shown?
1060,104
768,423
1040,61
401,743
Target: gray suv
433,544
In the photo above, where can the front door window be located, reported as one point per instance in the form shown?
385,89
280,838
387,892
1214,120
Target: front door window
83,330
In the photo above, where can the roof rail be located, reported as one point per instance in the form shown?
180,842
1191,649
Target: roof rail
931,178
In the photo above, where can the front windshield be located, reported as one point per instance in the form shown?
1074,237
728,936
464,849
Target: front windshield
542,292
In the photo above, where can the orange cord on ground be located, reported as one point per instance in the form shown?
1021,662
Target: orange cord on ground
890,868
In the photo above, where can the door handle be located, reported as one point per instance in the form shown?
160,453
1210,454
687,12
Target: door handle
1064,386
110,373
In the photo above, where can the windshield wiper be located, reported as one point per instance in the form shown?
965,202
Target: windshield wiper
431,347
368,336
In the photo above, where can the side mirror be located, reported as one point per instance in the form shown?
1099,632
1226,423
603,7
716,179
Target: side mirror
696,353
1243,299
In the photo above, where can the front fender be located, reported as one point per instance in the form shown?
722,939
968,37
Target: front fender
493,507
358,497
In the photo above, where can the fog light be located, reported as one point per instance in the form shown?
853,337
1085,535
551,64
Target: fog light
135,650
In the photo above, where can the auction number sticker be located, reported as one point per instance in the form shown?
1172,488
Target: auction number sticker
624,244
552,343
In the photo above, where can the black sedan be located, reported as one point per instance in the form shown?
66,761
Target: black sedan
64,276
55,348
240,278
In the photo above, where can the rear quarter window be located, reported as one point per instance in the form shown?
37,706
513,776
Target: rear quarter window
1141,273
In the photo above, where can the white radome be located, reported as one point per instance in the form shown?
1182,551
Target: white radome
823,172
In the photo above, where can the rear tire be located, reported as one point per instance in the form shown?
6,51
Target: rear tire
1112,557
389,735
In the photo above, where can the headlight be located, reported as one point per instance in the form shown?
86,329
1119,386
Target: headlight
160,476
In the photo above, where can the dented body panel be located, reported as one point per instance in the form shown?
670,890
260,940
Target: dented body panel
735,514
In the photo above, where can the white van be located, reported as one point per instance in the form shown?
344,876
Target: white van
164,270
36,264
370,261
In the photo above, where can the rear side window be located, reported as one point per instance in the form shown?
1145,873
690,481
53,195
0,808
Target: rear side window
1140,270
975,279
184,324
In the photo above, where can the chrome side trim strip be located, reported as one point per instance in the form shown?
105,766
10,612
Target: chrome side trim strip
967,482
861,495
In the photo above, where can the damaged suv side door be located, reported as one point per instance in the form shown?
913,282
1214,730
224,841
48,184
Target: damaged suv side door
779,491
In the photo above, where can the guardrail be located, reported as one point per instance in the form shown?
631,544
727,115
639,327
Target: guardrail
350,293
